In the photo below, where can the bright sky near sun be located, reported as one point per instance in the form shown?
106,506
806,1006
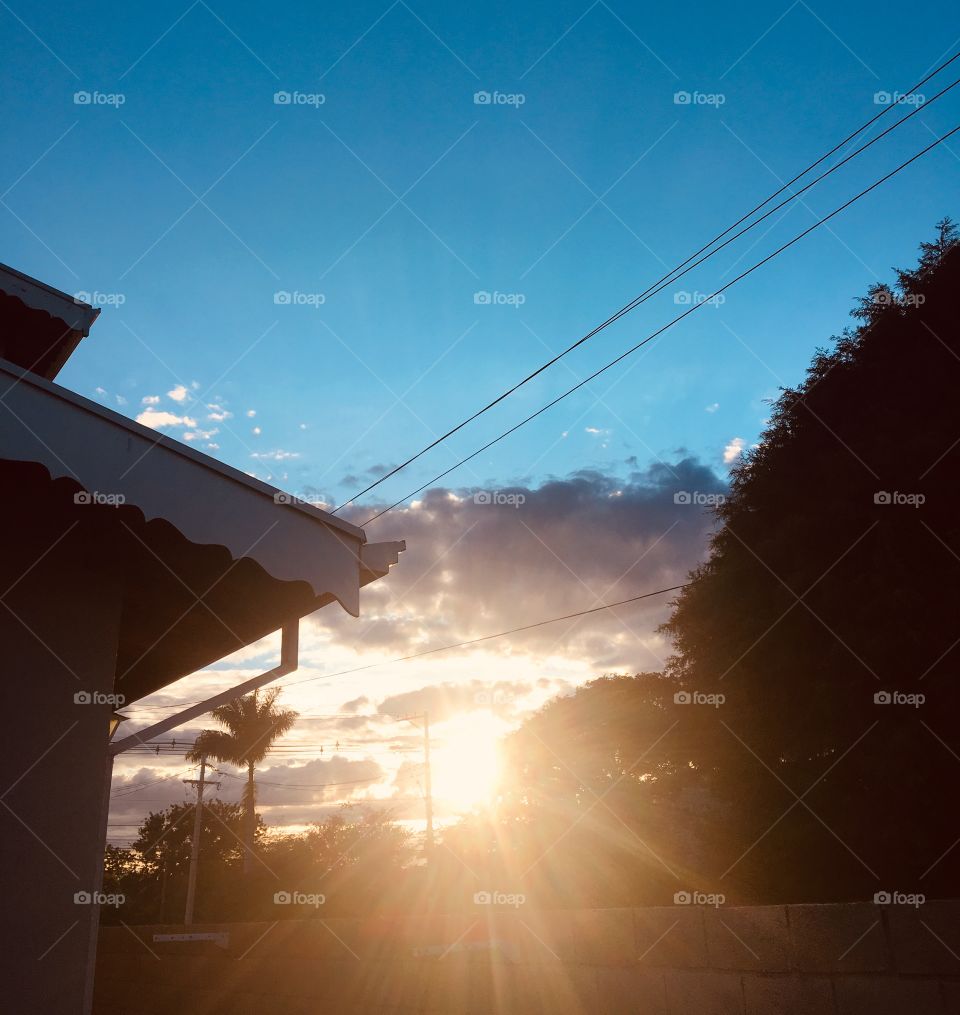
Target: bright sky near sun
321,236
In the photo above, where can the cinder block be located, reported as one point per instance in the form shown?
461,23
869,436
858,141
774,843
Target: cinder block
888,995
603,937
754,937
927,939
837,938
551,990
703,992
293,976
788,995
430,936
627,991
532,937
670,936
465,987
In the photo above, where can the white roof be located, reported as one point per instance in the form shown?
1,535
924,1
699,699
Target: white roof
209,502
37,295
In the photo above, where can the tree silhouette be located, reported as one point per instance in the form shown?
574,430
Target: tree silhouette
828,605
253,723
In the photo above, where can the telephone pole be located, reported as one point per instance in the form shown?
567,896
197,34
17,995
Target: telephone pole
195,844
427,781
428,785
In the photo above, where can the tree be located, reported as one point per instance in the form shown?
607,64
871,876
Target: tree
253,723
601,803
826,612
152,873
800,745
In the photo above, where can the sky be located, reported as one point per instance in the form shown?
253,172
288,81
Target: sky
322,236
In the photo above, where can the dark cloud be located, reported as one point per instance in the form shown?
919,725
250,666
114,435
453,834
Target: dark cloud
355,705
476,564
443,701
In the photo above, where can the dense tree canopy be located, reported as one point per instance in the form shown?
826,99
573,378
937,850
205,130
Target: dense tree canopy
797,762
833,579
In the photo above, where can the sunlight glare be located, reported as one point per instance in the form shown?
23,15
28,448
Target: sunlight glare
466,759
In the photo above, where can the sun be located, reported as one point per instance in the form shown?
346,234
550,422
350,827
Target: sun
465,759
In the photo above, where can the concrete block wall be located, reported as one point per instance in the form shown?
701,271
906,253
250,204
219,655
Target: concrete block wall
856,959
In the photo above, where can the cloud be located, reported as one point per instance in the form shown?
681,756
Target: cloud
251,413
733,450
444,701
178,394
712,407
355,705
256,431
475,566
150,400
219,415
323,779
200,435
158,419
286,793
275,456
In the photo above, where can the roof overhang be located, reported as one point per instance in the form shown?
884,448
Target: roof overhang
187,524
115,459
40,326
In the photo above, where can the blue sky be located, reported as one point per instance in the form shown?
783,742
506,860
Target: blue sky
384,197
396,197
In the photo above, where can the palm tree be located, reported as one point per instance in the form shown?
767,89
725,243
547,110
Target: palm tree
252,723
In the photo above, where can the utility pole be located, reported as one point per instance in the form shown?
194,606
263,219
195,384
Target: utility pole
195,845
428,786
427,781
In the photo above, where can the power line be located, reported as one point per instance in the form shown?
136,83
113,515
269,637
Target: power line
490,637
671,277
136,787
300,785
665,327
465,644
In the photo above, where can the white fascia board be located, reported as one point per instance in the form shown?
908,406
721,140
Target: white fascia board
209,502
